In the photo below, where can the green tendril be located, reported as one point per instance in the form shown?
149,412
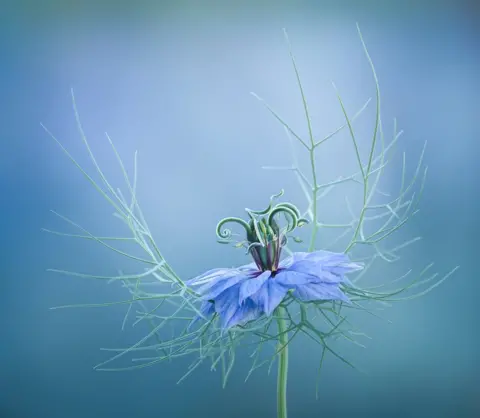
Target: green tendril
269,207
253,245
286,210
256,232
227,233
302,221
262,228
290,206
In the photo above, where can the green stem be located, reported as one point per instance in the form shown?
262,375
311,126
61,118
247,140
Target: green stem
282,366
314,197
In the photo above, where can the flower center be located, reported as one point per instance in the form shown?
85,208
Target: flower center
265,244
265,238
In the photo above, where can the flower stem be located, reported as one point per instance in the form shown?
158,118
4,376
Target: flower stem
282,366
314,197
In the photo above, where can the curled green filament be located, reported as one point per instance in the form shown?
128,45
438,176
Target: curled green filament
269,207
287,211
300,221
264,237
227,233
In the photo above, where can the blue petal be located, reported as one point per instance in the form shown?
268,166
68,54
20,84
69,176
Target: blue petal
212,290
270,295
248,311
206,309
287,262
315,270
208,276
226,304
308,287
325,255
250,266
320,291
337,263
290,279
326,266
251,286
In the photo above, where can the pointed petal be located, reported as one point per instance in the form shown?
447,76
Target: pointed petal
325,255
320,291
270,296
208,276
226,304
315,270
251,266
287,262
290,278
337,263
326,266
252,285
245,313
206,309
212,291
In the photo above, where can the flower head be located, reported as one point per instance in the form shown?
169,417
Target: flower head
245,293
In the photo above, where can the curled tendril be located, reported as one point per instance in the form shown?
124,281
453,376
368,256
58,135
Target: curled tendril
253,245
290,206
300,221
269,207
227,233
287,211
254,228
262,227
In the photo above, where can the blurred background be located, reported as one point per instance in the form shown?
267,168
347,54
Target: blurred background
172,80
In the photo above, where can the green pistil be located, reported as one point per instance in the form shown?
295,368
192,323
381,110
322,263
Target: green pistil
264,236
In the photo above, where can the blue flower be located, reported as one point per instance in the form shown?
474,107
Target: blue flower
243,294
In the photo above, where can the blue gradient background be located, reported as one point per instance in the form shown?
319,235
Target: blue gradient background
173,82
